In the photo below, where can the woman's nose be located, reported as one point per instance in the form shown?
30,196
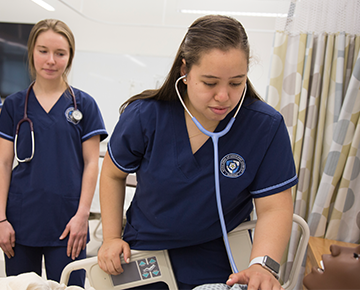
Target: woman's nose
51,58
335,250
222,94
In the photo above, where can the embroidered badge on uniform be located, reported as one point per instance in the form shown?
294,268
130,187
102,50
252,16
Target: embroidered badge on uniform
232,165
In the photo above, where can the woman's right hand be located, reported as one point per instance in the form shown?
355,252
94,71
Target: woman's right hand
109,255
7,239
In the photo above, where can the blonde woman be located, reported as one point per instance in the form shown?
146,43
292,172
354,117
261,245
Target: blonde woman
45,201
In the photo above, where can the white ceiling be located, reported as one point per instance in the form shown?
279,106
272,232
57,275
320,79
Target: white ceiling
153,27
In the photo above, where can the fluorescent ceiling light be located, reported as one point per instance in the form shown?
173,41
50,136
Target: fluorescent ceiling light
135,60
253,14
44,5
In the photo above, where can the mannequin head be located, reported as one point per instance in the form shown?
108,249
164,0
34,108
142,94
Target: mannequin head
341,270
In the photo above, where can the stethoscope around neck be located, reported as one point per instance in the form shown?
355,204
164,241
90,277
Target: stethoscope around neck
215,138
74,114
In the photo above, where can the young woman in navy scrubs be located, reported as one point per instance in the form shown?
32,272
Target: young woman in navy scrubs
45,202
174,206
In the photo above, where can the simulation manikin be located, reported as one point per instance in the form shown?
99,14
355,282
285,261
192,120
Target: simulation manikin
341,270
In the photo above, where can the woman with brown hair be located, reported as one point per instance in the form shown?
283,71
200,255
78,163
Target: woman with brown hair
174,206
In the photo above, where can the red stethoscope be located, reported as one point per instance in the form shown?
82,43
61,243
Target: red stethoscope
74,114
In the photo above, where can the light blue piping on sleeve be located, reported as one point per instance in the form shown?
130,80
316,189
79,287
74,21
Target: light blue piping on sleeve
274,186
96,132
118,165
6,136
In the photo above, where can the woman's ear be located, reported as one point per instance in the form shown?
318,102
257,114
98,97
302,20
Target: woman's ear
183,69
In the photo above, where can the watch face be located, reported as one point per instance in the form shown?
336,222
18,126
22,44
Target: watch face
273,265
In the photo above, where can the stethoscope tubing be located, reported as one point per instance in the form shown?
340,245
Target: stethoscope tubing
27,159
28,120
215,138
25,119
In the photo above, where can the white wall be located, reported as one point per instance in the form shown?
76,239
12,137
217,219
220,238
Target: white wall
124,47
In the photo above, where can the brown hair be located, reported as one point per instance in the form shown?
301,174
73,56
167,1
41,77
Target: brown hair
58,27
206,33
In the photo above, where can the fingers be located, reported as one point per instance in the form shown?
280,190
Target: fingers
8,251
239,278
12,239
260,279
70,241
65,233
127,254
109,256
7,240
76,243
111,265
258,282
79,245
77,239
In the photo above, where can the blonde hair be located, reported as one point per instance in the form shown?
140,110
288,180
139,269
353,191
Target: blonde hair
58,27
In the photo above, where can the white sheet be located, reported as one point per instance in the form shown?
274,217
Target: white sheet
32,281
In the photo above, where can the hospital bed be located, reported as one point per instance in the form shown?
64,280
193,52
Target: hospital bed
148,267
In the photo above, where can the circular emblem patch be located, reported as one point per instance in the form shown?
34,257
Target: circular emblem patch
232,165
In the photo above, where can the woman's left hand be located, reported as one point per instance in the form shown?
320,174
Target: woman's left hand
256,277
77,227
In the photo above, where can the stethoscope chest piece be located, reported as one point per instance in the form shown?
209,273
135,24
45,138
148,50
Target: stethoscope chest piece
75,115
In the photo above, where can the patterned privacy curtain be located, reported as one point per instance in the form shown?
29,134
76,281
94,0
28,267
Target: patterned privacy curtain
315,84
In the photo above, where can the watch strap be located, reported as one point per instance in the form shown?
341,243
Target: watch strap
257,260
262,261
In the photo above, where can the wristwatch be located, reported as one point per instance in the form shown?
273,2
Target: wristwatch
268,263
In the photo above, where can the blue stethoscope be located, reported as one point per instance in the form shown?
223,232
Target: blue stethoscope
74,114
215,138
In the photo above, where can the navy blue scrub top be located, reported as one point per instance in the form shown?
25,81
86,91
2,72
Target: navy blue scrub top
44,193
174,204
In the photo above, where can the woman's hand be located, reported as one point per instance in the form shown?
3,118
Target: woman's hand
256,277
109,255
77,227
7,239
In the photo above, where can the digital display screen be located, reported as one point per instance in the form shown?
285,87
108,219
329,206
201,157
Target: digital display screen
272,264
132,274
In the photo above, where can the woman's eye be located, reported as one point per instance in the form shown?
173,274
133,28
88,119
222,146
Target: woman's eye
210,84
235,84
